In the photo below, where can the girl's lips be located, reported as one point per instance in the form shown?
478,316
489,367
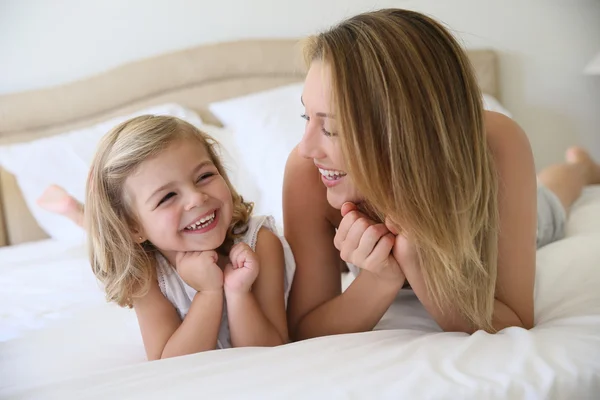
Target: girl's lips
206,228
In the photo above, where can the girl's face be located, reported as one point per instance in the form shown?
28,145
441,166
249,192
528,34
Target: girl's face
180,200
320,141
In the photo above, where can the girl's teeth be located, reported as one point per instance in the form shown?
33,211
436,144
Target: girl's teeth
205,221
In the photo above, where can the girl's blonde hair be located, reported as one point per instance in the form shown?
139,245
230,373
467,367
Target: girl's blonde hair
124,266
411,123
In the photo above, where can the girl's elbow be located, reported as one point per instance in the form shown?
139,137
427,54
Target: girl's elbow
282,338
155,355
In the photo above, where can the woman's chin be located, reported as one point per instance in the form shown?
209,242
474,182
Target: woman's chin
337,200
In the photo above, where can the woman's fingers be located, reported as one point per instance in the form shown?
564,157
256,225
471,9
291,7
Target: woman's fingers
369,241
347,207
391,226
353,238
342,231
380,254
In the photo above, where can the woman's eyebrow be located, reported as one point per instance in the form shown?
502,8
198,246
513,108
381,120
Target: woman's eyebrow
319,114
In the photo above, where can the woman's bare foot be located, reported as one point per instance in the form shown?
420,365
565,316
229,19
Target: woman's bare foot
55,199
578,155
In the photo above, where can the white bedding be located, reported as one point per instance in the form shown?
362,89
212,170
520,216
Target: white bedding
61,340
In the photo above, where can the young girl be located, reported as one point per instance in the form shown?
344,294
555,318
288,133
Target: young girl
170,237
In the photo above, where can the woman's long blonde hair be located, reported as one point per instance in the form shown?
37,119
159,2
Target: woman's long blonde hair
124,266
411,124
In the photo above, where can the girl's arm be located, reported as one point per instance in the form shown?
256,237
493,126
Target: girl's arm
257,317
316,305
163,332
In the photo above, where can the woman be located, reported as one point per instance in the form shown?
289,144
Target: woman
419,185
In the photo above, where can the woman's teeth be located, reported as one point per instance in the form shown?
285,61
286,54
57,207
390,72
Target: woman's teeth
204,222
331,174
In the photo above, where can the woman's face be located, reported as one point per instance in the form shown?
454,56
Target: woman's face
321,141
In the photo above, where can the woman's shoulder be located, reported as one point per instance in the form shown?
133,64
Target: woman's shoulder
506,139
303,191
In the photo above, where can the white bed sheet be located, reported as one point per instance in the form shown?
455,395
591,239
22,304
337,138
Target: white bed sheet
63,341
41,282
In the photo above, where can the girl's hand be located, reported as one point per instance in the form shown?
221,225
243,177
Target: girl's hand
199,269
367,244
241,273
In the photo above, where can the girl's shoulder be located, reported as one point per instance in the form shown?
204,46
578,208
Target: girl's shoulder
254,226
164,270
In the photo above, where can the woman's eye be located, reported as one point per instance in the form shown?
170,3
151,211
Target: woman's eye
167,197
325,131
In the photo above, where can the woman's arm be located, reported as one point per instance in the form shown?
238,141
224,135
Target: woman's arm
358,309
257,317
316,306
517,204
448,318
163,332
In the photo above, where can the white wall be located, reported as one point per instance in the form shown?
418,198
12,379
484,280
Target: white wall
544,46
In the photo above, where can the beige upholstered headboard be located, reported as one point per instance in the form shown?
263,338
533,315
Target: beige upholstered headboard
193,78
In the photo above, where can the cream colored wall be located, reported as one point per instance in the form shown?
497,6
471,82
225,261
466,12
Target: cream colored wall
544,46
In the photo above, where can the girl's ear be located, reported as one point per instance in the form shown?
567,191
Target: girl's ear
140,239
138,235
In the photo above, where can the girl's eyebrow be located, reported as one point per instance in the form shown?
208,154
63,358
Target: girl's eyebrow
160,189
202,164
166,185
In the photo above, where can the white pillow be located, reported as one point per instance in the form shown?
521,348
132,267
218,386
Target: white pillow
65,159
492,104
267,125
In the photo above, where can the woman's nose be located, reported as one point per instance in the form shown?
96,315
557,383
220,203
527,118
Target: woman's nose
310,145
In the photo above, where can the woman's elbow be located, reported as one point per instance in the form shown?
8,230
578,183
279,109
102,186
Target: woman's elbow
514,322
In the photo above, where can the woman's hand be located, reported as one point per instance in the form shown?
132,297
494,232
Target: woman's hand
367,244
404,251
199,269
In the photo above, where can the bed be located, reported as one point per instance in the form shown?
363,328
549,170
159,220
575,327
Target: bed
60,339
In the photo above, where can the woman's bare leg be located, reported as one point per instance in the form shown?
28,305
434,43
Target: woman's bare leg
55,199
567,180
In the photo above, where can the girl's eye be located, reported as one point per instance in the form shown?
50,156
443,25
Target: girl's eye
167,197
205,176
304,116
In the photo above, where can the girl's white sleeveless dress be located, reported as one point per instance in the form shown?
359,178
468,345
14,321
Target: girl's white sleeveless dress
180,294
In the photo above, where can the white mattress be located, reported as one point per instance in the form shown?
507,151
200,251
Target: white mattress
61,340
